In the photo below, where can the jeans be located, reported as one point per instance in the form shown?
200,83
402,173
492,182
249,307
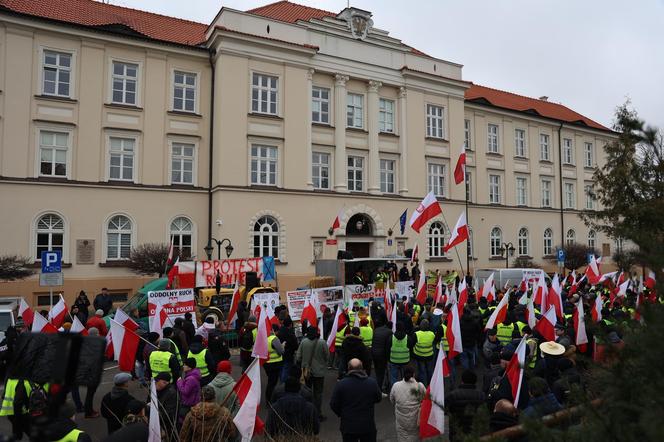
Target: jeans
140,373
76,397
272,370
380,365
424,370
316,385
396,373
285,370
468,358
89,397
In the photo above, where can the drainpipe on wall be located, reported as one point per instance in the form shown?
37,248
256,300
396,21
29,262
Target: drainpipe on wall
560,172
210,159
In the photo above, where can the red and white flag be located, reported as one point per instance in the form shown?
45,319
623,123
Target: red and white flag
463,296
77,327
41,325
169,260
57,314
499,314
432,412
185,272
123,319
514,370
438,293
596,309
336,325
159,320
393,318
488,291
260,345
309,310
622,288
580,327
125,343
459,234
337,221
421,295
554,297
235,302
530,313
26,313
546,326
540,291
248,392
523,285
154,427
413,256
650,280
592,271
460,169
453,332
428,209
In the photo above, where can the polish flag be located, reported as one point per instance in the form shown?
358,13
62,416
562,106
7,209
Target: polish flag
637,306
432,413
580,327
514,370
459,234
530,313
337,221
57,314
185,273
271,319
25,312
438,294
499,314
154,427
387,300
172,273
523,300
248,392
123,319
460,169
169,260
488,290
125,343
575,285
540,291
235,302
523,285
413,256
546,325
335,329
453,332
159,320
78,327
608,276
463,296
393,318
650,280
554,296
309,310
260,345
596,309
421,295
427,209
622,288
592,271
41,325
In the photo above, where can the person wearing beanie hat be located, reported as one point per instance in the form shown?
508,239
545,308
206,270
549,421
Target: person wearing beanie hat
491,345
208,421
462,403
223,384
204,360
224,367
353,347
291,414
114,403
63,426
169,401
97,321
162,360
246,339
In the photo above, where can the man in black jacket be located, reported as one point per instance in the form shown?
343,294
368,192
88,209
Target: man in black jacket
291,414
103,301
114,403
354,348
169,403
353,400
462,403
380,352
287,337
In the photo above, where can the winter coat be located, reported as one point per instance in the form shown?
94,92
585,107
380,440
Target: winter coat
500,421
562,387
169,406
180,339
189,387
353,347
490,348
471,328
103,302
208,422
287,337
462,404
189,330
59,428
244,338
407,398
305,392
130,433
218,346
114,407
291,415
318,365
541,406
381,342
196,348
98,323
353,400
223,385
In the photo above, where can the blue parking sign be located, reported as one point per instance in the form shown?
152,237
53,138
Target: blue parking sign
561,255
51,261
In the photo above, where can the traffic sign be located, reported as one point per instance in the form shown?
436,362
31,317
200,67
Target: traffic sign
561,255
51,280
51,261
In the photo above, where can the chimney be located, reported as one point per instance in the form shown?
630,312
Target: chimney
544,98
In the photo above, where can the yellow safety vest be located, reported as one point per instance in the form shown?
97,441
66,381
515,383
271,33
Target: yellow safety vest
7,408
504,333
200,361
339,337
443,342
273,356
521,325
72,436
399,353
366,333
533,357
159,362
177,351
351,317
424,344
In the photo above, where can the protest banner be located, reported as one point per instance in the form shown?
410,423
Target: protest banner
362,293
175,302
265,299
328,297
404,288
231,270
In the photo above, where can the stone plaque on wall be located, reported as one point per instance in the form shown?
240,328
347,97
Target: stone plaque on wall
85,251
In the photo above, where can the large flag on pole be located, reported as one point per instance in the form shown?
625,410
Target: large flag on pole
248,392
335,329
402,221
499,314
459,234
432,413
57,314
546,325
154,427
25,312
260,345
309,310
427,209
337,221
421,295
123,319
169,260
78,327
413,255
580,327
515,368
235,302
41,325
125,343
460,169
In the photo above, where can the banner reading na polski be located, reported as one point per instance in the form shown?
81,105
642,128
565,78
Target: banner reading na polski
175,302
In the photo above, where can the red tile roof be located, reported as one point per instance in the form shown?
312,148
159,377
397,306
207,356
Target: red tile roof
290,12
97,14
508,100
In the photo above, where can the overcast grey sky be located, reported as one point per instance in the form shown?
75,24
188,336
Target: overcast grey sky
590,55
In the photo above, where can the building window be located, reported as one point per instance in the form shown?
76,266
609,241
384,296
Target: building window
592,238
521,191
466,134
317,252
495,241
588,155
320,163
437,240
264,94
570,202
181,236
492,141
56,73
523,242
264,165
570,238
387,176
355,173
320,105
184,91
50,234
548,242
53,153
386,116
182,163
568,151
619,243
121,159
355,111
470,242
125,80
546,193
590,196
545,153
494,189
435,121
436,179
118,238
520,143
266,237
469,187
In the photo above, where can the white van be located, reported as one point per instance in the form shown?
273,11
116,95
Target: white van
512,277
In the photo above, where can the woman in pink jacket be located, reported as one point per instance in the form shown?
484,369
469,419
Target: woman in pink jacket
189,387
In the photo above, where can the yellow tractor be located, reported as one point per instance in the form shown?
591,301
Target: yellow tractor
217,305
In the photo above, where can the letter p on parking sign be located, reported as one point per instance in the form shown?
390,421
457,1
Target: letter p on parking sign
51,261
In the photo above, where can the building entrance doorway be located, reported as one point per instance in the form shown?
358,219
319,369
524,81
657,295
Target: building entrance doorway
359,249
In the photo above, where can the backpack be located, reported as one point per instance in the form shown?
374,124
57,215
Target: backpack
37,400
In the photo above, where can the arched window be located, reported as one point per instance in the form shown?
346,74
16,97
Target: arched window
181,235
570,238
118,238
495,241
523,242
50,234
437,240
266,237
592,238
548,242
619,244
469,244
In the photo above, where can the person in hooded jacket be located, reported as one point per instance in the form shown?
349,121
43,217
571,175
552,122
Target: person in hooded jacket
286,335
292,415
223,384
246,340
569,379
63,427
207,421
204,360
114,403
189,386
218,346
354,348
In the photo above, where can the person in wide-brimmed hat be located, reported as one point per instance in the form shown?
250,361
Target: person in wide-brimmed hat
547,366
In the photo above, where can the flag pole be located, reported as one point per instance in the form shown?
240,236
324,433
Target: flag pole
455,247
468,249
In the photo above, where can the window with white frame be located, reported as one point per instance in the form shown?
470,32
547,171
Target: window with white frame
264,93
387,176
618,243
469,186
521,191
545,152
355,111
570,200
124,83
435,121
436,179
592,239
523,246
470,242
547,187
588,155
263,165
50,234
570,237
386,115
182,163
590,196
437,240
53,155
355,173
494,189
266,237
320,105
320,173
184,91
492,140
568,151
495,241
56,73
520,143
182,230
466,134
118,238
548,242
121,158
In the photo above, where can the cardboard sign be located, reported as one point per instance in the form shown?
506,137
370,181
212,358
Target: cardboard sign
328,297
265,299
404,288
175,302
361,294
231,270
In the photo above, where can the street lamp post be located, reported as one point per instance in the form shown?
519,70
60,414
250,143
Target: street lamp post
508,250
209,248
